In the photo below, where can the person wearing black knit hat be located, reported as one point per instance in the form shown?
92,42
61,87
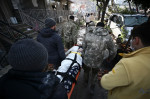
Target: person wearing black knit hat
101,24
52,41
27,78
28,55
49,22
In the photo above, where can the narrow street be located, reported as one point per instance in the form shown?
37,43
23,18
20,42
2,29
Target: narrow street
81,34
81,91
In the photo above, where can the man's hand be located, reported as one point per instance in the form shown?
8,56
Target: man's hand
50,67
100,74
66,49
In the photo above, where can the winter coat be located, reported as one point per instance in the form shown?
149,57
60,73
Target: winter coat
70,32
31,85
53,43
129,79
97,46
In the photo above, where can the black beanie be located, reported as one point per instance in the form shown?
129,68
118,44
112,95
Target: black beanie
100,24
28,55
49,22
72,17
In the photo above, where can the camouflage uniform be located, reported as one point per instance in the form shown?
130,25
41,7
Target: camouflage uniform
59,28
69,33
97,46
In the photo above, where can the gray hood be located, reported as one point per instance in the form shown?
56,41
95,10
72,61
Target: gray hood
101,31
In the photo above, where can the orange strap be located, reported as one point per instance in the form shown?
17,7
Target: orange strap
73,85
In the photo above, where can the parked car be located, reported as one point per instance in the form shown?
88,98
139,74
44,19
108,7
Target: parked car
124,23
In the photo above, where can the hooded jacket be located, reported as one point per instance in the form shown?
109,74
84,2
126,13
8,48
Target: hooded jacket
31,85
53,43
129,79
70,32
97,46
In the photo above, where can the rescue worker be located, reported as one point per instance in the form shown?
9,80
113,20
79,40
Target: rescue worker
97,46
129,79
69,33
49,37
60,25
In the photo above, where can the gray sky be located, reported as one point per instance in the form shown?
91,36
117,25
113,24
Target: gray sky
119,1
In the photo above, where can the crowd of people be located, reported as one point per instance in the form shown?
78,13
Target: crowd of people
33,61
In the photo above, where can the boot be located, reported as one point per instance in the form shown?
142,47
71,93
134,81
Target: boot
92,87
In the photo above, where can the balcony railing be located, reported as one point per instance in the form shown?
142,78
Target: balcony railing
10,32
36,17
43,14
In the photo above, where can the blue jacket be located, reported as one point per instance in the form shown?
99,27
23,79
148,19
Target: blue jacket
31,85
53,43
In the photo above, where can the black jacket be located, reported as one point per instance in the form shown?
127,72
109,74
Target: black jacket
31,85
53,43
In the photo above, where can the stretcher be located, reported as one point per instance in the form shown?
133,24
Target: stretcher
73,85
69,70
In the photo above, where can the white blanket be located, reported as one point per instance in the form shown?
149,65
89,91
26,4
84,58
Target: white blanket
65,64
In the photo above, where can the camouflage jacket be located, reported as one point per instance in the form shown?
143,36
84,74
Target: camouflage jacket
97,46
69,31
59,28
